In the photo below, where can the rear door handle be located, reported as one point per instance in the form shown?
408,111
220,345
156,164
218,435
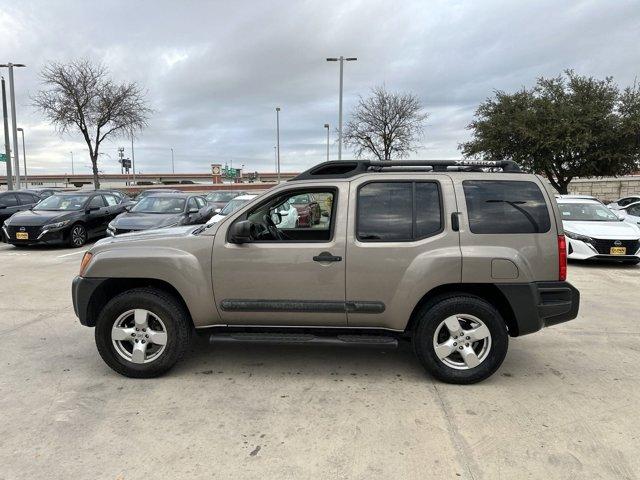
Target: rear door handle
327,257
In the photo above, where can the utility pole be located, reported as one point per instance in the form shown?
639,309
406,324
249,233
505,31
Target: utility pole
24,159
173,168
12,98
133,161
326,125
72,173
7,145
275,157
278,139
341,59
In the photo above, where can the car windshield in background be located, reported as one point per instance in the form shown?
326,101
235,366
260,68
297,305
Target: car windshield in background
299,199
590,212
62,202
221,196
232,206
159,205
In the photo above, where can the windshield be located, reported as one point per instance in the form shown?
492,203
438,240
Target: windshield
62,202
160,205
232,206
590,212
221,196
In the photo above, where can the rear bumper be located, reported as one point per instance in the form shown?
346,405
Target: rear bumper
541,304
82,289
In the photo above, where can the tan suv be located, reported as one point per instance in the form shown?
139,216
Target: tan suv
456,256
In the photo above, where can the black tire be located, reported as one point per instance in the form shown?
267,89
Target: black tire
435,312
176,321
75,241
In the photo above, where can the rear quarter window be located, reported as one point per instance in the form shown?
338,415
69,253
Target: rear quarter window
505,207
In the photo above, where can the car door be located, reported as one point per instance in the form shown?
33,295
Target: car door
96,214
114,207
8,205
400,245
298,281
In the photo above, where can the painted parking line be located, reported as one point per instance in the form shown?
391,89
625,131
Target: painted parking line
72,253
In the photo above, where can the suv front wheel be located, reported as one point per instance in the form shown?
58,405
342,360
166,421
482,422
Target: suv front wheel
461,339
142,332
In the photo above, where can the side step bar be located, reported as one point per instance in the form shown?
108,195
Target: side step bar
305,339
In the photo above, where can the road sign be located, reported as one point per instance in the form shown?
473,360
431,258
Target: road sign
229,172
3,157
126,163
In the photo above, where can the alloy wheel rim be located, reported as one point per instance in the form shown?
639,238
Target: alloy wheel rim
77,235
139,336
462,341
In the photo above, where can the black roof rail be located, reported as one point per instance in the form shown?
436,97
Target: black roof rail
351,168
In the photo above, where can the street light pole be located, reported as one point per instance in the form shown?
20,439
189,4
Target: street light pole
340,59
173,168
278,139
71,162
12,97
326,125
24,159
7,144
133,161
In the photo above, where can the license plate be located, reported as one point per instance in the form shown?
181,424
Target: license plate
22,236
618,251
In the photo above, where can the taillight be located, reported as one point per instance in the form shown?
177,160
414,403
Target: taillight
562,258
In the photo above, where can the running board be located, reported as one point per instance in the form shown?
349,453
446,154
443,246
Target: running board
305,339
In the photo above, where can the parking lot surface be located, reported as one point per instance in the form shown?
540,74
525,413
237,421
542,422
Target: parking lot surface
563,405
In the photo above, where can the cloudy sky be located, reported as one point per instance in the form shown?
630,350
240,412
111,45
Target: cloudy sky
215,71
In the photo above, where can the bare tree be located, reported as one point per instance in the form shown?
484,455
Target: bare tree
81,96
386,124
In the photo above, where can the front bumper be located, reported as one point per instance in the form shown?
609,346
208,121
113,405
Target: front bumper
82,291
579,250
541,304
36,236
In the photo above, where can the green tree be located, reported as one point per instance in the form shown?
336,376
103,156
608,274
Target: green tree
564,127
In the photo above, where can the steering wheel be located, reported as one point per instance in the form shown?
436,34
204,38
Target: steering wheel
273,230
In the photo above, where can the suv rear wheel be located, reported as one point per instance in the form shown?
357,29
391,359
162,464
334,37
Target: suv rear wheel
142,333
460,339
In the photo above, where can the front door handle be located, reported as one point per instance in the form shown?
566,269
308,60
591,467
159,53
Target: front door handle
327,257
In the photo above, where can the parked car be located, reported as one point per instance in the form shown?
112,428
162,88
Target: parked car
596,233
162,210
220,198
630,213
16,201
123,198
153,191
45,192
65,217
309,212
623,202
231,207
455,261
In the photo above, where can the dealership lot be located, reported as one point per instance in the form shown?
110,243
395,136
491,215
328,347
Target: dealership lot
563,405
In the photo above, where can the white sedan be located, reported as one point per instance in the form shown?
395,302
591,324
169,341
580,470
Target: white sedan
595,232
231,207
630,213
623,202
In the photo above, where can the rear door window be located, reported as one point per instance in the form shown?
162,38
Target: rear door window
8,200
398,211
505,207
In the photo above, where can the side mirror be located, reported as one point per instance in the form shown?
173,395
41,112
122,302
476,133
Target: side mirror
217,211
193,210
241,232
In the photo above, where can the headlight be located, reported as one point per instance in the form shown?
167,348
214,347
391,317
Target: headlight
53,226
576,236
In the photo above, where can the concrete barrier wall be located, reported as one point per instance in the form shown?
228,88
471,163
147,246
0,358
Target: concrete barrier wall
606,189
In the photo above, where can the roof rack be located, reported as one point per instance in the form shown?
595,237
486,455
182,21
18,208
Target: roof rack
351,168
